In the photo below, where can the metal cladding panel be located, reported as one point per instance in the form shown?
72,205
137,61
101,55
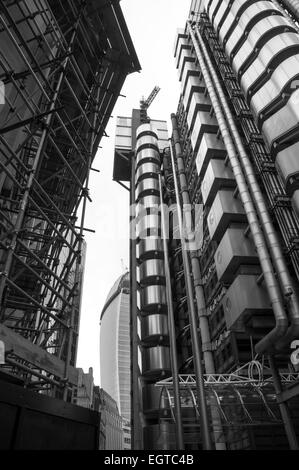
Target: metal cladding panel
153,398
243,299
287,162
261,28
190,70
150,222
147,202
225,210
184,52
219,14
151,268
193,85
160,128
143,128
210,147
147,168
234,250
264,50
146,140
204,123
150,248
293,6
156,360
272,90
280,123
147,154
180,39
212,7
186,62
233,14
159,437
258,29
154,326
150,185
265,56
153,299
217,176
199,102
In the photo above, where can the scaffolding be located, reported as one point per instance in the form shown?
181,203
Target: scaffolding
62,64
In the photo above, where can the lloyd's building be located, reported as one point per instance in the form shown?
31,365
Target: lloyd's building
213,328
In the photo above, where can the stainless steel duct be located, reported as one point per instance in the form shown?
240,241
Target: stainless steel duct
285,280
253,221
154,333
263,47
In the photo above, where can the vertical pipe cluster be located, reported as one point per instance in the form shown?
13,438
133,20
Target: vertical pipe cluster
199,292
152,319
196,349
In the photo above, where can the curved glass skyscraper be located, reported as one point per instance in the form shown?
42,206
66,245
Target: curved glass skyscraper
115,349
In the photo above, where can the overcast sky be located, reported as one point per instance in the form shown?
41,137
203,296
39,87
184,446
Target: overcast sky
152,25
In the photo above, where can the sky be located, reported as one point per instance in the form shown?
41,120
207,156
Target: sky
152,25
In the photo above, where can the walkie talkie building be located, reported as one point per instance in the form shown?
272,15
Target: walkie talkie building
218,322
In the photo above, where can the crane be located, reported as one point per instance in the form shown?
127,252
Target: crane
145,104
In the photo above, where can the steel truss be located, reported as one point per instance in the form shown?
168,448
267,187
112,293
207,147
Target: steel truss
62,74
244,399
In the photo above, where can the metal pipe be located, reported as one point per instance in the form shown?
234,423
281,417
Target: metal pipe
292,6
199,292
135,406
282,271
197,353
254,224
172,333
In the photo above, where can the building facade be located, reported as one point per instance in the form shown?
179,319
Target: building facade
115,350
62,66
216,314
112,423
85,389
113,433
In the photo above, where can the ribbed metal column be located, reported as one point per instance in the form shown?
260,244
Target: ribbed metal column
135,387
152,314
